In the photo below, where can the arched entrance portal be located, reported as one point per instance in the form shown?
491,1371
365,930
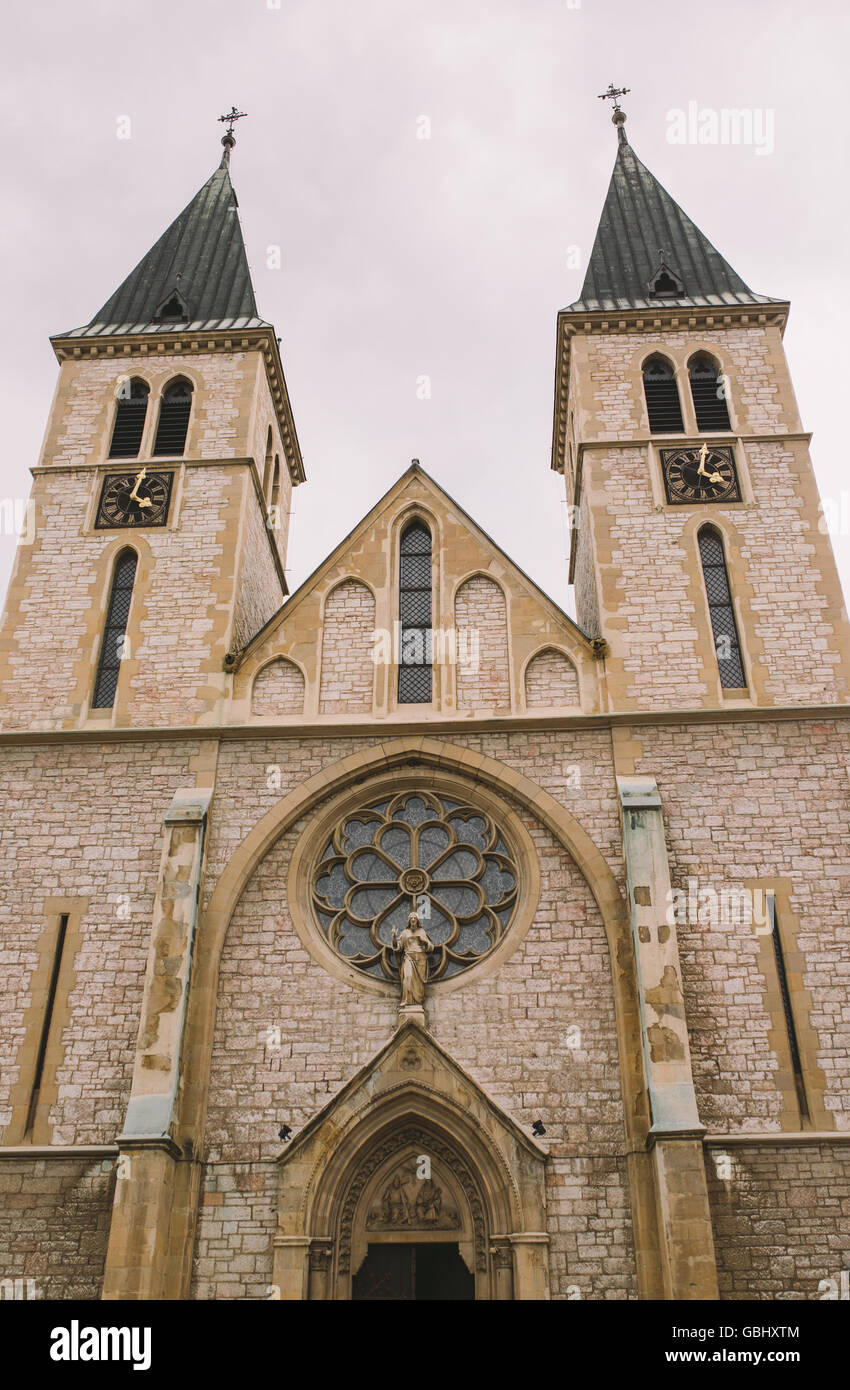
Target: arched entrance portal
411,1185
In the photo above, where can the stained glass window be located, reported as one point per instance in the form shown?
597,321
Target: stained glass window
446,858
415,654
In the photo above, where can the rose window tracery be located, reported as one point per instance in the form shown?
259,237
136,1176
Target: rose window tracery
447,858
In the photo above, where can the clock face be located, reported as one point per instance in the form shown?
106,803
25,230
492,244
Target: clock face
706,474
134,499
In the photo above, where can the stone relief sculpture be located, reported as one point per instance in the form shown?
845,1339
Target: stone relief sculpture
412,1202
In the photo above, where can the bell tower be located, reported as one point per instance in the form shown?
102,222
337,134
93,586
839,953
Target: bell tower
161,498
698,553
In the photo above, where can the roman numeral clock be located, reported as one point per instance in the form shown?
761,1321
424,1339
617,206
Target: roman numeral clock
134,499
707,474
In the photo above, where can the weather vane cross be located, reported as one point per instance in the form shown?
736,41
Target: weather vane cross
613,93
232,117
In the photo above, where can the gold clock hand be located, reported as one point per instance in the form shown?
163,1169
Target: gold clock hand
134,497
703,455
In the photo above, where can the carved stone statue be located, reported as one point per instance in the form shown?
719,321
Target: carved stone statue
414,946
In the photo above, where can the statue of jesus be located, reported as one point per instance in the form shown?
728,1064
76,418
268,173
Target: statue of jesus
414,946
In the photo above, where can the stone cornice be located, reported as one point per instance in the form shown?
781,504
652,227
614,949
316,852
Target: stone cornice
666,319
379,730
777,1138
222,340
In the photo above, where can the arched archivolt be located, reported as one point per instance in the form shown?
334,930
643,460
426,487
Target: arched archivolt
426,752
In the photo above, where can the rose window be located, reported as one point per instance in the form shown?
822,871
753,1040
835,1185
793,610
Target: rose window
445,858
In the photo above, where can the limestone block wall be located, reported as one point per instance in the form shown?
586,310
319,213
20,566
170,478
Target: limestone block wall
82,824
654,614
278,689
224,384
481,614
551,681
760,805
781,1219
348,671
54,1224
179,623
260,591
538,1035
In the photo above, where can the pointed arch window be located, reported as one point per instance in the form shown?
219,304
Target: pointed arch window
173,418
662,397
131,408
723,626
415,650
115,631
708,393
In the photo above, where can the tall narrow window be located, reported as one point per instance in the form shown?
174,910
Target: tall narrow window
267,466
274,495
793,1045
723,624
173,418
414,669
708,393
662,397
131,408
114,633
45,1027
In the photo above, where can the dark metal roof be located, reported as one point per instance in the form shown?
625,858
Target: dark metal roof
642,226
201,258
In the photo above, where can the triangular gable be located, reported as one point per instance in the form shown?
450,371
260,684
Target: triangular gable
411,1058
414,485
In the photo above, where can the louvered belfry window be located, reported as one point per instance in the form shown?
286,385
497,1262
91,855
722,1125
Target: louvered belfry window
723,625
131,408
415,646
115,631
707,391
662,397
173,419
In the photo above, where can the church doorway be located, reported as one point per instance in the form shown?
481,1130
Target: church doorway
413,1273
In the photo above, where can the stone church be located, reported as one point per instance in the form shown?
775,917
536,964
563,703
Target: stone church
400,937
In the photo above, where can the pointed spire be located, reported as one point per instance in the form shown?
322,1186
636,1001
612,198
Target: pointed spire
647,251
195,277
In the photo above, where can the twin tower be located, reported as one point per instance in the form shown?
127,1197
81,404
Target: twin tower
699,556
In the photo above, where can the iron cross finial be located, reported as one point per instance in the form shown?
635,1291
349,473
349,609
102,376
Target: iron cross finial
613,93
232,117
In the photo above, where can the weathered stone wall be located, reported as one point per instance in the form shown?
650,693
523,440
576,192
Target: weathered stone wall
480,613
748,805
84,823
781,1218
348,672
551,681
54,1224
260,592
278,689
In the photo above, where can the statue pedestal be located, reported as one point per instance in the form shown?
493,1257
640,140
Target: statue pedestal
411,1013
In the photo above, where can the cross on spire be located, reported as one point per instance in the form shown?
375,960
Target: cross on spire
229,140
232,117
618,115
613,93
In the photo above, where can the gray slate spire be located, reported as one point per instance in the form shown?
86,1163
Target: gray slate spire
645,240
198,268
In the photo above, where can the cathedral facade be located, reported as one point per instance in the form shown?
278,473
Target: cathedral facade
401,937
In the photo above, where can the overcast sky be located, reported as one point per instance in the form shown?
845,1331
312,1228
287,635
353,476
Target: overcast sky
405,257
